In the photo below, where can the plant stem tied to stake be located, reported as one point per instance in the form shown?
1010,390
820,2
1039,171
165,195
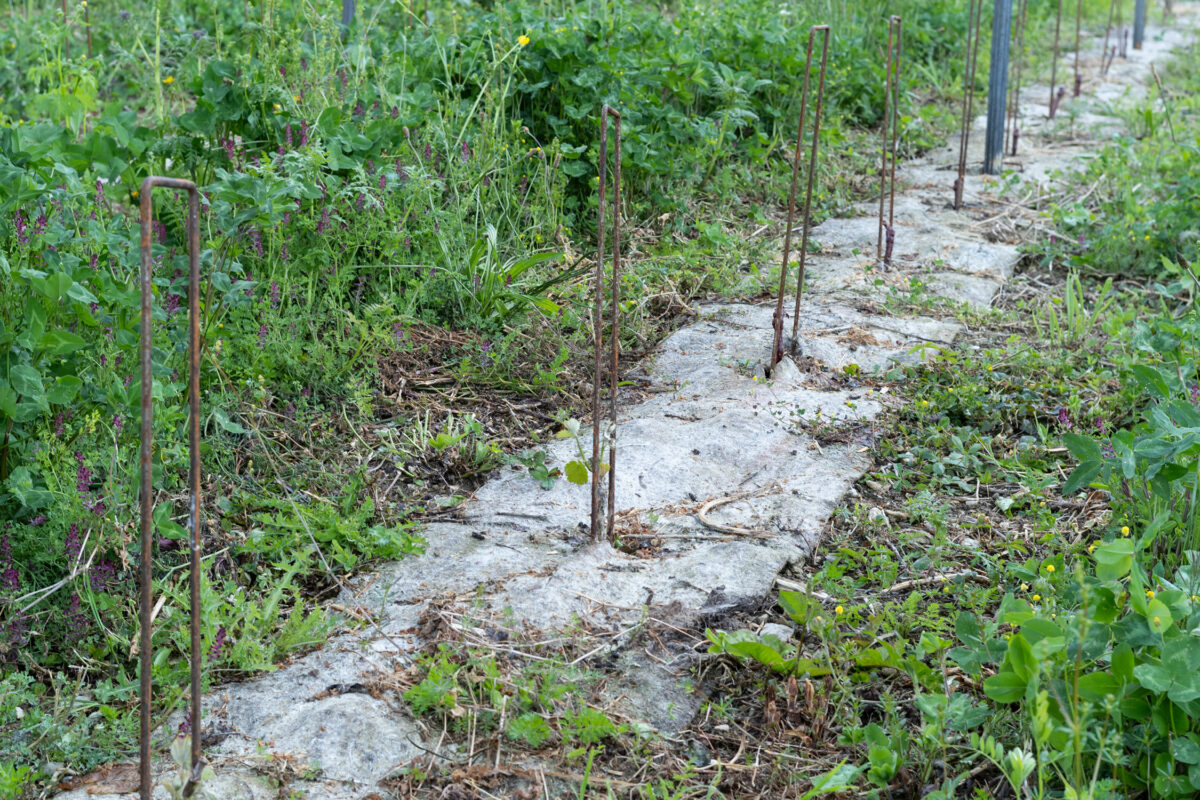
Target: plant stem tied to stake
777,345
974,15
147,476
891,132
599,473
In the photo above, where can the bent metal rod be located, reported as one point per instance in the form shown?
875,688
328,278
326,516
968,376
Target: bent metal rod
147,474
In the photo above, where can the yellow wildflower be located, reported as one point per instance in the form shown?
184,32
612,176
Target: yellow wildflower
1124,530
523,40
169,80
839,610
1049,568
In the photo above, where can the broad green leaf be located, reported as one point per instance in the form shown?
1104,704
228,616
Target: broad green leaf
64,390
165,526
8,399
1158,615
27,383
1097,686
1005,687
79,293
799,606
227,424
1123,662
53,286
840,779
1186,749
1152,677
1020,657
1114,559
20,483
1150,380
576,472
1084,448
60,343
1083,474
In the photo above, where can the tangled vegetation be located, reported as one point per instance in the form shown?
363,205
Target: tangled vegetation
407,205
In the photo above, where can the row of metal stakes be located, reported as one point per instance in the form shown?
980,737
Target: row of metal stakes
603,460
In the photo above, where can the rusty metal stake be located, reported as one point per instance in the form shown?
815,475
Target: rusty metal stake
147,488
812,170
1057,101
1054,60
1105,60
1018,66
1078,25
974,15
777,345
614,335
891,124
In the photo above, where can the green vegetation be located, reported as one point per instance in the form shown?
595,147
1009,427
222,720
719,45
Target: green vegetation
1042,487
403,200
405,205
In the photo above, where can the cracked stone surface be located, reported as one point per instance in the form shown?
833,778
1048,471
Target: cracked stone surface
713,428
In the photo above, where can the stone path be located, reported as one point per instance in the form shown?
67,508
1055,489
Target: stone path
717,429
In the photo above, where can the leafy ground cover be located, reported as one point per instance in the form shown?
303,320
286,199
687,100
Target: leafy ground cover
394,225
1006,606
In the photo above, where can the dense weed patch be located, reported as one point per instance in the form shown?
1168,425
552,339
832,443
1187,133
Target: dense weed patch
1008,605
388,210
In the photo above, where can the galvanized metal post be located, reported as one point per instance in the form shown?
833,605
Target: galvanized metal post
347,13
1139,23
147,476
997,87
